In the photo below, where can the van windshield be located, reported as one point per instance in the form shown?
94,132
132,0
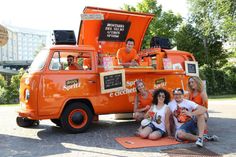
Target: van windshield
39,61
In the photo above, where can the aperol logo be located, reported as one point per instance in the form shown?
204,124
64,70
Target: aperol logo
160,83
71,84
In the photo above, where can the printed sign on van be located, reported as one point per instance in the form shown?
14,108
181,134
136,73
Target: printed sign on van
112,81
160,83
71,84
114,30
92,16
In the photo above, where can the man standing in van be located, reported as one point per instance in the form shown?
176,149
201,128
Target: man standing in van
127,56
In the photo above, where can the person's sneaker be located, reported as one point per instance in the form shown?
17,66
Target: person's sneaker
211,137
199,142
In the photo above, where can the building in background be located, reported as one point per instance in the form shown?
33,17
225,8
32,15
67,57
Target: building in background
23,44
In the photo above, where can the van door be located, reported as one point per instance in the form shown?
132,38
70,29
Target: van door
70,75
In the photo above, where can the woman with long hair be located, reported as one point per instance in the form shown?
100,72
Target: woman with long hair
199,96
143,100
197,92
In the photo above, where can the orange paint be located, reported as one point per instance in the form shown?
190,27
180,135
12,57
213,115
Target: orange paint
67,95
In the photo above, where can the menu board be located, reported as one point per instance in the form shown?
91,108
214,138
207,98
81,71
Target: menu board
112,81
114,30
191,68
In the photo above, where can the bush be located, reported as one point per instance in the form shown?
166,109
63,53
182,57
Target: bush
219,81
3,84
3,98
10,94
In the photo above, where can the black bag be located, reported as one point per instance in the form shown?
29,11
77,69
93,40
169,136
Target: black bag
163,43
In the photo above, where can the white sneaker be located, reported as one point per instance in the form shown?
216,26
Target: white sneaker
199,142
211,137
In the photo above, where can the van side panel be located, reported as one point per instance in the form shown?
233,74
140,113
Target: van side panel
123,101
59,87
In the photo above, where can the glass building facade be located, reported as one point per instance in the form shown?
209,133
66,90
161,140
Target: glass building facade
23,44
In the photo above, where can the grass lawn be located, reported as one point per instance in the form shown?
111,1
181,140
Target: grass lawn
9,104
223,97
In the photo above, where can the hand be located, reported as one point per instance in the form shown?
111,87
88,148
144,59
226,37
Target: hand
134,63
185,112
147,107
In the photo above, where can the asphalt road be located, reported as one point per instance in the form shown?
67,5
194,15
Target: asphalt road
49,140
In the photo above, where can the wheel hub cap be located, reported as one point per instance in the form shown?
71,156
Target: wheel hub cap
77,118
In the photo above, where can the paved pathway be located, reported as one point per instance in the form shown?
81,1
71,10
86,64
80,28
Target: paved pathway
49,140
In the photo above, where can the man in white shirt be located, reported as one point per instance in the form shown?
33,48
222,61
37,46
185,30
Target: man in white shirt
188,117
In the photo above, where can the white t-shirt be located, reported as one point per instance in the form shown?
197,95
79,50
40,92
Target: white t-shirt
177,108
159,117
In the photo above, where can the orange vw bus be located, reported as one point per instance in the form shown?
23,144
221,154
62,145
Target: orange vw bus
71,98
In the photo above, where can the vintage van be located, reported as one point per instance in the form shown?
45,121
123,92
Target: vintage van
73,98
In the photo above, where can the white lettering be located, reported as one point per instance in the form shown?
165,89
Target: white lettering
123,92
73,86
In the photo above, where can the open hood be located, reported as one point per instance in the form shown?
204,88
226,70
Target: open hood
107,29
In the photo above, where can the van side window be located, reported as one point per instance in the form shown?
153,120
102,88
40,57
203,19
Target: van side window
71,61
55,63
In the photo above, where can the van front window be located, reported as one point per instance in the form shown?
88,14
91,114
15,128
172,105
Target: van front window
39,61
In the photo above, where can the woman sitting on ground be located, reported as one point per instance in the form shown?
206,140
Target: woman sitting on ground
156,122
198,94
143,100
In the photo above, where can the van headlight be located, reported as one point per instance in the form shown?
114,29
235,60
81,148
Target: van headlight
27,94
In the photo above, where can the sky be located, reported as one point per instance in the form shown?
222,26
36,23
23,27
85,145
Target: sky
64,14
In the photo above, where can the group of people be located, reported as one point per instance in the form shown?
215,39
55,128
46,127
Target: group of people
127,56
159,116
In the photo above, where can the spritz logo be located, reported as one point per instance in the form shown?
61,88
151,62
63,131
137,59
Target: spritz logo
160,83
71,84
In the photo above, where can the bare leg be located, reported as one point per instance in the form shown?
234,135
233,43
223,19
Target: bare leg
144,133
138,116
201,124
186,136
154,135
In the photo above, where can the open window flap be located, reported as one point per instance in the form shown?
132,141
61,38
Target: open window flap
121,24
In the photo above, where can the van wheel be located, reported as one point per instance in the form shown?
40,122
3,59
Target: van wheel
56,121
25,122
76,118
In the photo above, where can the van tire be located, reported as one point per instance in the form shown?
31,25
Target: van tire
25,122
76,118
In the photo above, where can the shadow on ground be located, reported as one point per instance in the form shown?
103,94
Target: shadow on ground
99,139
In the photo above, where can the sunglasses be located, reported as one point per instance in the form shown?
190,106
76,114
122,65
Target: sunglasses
161,96
177,94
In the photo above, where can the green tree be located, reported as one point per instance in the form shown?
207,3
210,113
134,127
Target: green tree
12,91
215,19
187,39
164,24
204,35
220,14
3,84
